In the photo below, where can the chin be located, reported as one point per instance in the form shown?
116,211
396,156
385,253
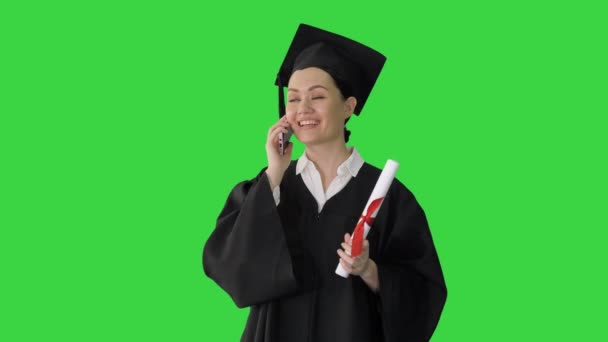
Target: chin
307,141
315,139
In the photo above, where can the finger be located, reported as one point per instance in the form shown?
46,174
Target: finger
289,148
346,266
359,262
278,129
275,125
356,261
274,134
346,248
345,257
284,122
281,123
347,238
358,267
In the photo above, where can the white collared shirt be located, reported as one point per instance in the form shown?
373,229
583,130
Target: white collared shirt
312,178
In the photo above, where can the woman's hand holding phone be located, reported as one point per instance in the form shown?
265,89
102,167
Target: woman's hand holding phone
278,161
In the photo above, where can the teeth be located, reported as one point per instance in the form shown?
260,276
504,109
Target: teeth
308,122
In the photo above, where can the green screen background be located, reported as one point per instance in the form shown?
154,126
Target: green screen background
124,125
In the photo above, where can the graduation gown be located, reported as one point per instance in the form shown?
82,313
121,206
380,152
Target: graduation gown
280,262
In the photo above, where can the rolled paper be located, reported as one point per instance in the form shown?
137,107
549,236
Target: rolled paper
371,210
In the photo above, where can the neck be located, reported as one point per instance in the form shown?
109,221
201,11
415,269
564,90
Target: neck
327,158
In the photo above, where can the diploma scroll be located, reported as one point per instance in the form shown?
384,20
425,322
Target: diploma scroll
370,211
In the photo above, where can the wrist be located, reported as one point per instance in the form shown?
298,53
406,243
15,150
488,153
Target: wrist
370,276
274,178
368,271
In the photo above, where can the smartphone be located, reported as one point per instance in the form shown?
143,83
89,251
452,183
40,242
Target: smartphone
284,140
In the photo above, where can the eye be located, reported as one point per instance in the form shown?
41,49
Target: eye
318,97
293,100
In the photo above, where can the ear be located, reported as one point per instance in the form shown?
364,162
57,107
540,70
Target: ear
349,106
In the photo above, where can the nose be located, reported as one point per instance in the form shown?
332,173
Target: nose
304,106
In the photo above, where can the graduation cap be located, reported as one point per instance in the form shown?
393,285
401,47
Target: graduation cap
347,61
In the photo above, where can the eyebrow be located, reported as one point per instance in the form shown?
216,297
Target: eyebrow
309,89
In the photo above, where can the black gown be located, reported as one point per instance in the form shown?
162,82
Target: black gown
280,261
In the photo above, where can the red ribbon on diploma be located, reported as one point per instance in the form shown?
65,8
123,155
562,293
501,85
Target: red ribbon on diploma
357,244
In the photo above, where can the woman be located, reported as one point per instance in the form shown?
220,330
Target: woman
280,235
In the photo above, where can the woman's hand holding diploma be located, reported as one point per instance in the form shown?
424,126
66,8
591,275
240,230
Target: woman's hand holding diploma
361,265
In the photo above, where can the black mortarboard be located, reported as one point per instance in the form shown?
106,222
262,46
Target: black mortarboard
344,59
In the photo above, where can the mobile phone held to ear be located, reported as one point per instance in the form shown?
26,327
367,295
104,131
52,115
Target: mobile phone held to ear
284,140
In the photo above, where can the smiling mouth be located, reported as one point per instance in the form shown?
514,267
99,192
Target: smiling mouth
308,123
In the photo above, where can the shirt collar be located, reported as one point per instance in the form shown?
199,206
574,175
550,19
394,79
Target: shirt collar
351,165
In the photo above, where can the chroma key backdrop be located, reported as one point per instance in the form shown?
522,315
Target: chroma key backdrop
124,125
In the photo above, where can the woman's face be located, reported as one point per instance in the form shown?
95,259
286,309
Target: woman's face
315,107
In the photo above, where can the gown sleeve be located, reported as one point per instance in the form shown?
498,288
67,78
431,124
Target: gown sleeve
412,289
250,254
